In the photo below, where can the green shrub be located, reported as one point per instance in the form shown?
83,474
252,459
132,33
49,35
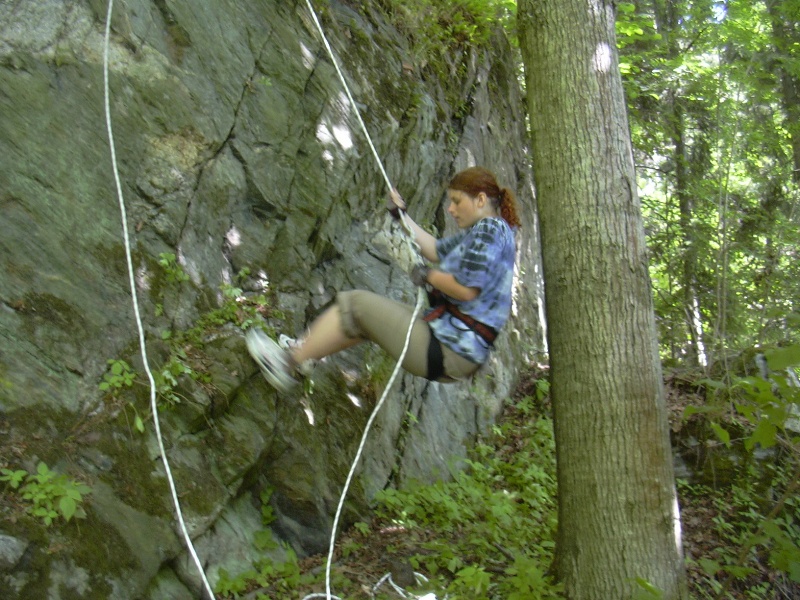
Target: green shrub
119,376
172,270
759,535
185,346
47,495
481,525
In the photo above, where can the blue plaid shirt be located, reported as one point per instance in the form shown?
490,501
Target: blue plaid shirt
482,257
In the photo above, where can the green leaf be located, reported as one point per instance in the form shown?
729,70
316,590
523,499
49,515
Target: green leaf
647,590
781,358
692,410
710,567
454,563
722,434
712,383
765,435
67,507
794,571
738,571
73,493
14,478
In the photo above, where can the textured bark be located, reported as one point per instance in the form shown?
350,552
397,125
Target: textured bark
617,513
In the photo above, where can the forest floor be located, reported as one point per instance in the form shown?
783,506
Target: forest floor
364,560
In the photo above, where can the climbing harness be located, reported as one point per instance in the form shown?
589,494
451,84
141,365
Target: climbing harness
442,306
137,315
408,253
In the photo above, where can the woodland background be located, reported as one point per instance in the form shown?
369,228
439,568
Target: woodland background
713,92
713,97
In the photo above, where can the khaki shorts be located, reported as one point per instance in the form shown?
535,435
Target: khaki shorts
384,321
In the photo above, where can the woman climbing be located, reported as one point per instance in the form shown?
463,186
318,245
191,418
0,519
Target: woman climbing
469,288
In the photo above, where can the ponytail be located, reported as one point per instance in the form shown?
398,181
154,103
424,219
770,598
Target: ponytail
508,208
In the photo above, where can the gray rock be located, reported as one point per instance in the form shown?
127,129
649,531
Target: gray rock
11,550
239,155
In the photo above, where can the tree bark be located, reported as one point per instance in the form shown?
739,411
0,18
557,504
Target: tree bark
618,521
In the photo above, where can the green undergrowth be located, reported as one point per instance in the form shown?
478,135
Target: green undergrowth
45,494
441,27
748,542
743,537
486,533
280,578
185,360
442,35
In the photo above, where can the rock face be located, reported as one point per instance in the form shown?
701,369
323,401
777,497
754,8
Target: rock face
250,193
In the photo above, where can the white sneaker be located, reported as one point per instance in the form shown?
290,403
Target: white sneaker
286,342
273,360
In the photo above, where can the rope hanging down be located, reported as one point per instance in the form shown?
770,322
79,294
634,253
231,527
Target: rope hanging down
137,315
410,246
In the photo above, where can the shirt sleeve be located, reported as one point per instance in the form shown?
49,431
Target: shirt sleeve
444,246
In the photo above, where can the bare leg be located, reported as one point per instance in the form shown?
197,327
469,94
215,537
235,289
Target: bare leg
325,337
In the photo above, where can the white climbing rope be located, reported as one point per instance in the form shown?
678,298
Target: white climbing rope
400,591
137,315
411,247
417,308
347,91
357,113
386,579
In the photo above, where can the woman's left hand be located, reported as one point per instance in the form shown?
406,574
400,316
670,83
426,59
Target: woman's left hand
419,275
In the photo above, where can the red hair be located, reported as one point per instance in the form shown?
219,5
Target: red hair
475,180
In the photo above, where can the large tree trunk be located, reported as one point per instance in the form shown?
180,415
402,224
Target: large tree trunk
618,521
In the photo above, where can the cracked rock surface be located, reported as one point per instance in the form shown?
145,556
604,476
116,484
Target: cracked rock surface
239,156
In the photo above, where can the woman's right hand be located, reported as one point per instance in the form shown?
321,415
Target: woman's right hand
427,243
395,203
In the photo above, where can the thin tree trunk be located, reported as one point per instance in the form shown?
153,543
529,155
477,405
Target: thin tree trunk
618,522
667,23
785,35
